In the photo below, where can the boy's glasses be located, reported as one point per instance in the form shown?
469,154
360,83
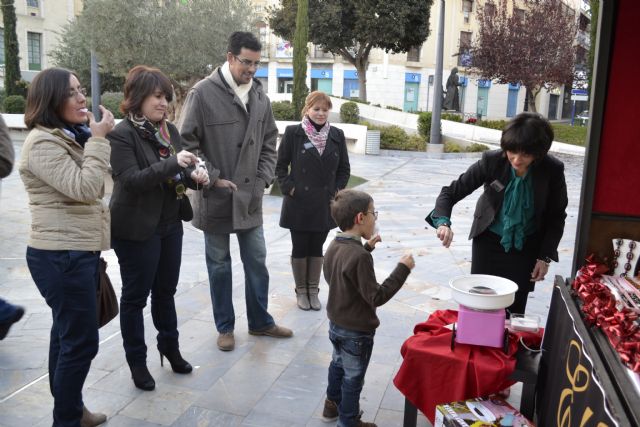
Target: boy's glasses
374,213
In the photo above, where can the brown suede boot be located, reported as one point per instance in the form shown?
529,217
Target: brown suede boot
314,270
91,419
299,268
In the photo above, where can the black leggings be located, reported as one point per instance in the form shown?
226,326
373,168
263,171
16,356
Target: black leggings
307,243
488,257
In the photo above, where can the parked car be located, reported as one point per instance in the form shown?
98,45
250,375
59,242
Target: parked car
583,118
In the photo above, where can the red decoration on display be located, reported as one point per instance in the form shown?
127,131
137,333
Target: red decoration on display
599,307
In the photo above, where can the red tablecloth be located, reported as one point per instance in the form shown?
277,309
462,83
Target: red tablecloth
431,373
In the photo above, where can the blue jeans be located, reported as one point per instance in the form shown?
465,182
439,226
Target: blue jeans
149,267
349,362
68,282
253,253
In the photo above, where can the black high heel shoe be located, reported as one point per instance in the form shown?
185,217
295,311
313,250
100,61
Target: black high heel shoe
142,378
178,364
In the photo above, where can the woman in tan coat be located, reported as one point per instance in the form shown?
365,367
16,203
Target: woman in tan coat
63,166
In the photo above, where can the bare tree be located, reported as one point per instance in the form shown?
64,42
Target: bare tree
528,42
184,39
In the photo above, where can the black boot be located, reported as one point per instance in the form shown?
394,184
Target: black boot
142,378
178,364
5,325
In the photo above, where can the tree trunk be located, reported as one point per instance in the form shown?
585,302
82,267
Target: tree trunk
181,92
300,89
531,100
361,67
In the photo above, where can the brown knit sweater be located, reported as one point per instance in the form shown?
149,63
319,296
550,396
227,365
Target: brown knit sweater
354,292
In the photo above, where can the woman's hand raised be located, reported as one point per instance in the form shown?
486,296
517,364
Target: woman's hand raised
104,126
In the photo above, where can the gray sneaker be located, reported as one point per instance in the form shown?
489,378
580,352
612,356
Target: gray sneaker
226,341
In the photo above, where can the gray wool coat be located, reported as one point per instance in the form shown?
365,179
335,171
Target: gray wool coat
237,145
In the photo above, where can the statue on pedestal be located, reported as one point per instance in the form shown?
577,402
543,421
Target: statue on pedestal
452,100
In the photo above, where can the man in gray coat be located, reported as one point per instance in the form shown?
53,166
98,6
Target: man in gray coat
227,121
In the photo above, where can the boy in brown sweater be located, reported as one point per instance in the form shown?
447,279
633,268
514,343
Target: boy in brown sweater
354,294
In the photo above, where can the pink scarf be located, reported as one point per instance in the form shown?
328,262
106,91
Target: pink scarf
317,138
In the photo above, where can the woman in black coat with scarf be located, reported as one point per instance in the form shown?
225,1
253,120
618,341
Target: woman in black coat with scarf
519,219
313,164
150,173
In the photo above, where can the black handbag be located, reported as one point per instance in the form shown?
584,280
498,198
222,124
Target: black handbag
107,302
186,211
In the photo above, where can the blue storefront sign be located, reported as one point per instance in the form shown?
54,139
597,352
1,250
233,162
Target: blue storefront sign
321,74
284,72
484,83
463,81
412,77
351,74
262,72
514,86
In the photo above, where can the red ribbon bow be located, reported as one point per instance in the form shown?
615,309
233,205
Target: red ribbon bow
599,307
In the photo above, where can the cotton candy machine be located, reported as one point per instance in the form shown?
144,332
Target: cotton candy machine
481,316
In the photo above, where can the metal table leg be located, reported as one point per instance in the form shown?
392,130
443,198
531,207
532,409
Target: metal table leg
410,414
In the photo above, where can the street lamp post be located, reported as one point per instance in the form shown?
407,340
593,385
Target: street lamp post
95,86
435,143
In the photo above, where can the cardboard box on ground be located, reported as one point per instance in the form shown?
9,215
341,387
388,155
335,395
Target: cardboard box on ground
479,413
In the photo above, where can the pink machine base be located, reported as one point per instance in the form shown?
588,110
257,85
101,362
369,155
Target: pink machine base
480,327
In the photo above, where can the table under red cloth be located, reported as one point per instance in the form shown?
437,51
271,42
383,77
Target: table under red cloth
432,373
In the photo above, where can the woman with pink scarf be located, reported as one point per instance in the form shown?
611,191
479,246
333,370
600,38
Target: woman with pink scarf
313,164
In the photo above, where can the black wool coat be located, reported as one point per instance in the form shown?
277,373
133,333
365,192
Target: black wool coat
493,172
138,175
315,178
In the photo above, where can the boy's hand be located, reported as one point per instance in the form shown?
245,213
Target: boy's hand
375,239
407,260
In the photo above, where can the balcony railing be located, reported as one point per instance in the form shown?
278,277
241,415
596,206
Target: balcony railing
316,53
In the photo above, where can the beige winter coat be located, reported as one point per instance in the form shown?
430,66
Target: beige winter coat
65,184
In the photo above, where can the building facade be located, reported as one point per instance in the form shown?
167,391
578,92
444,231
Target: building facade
405,81
38,25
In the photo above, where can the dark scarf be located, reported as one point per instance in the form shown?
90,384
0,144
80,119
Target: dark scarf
159,136
81,133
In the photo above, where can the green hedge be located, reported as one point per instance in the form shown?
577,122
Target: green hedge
349,112
424,125
283,110
14,104
452,147
492,124
111,101
451,117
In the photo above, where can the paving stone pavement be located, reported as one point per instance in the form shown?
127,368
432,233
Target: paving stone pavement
264,381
